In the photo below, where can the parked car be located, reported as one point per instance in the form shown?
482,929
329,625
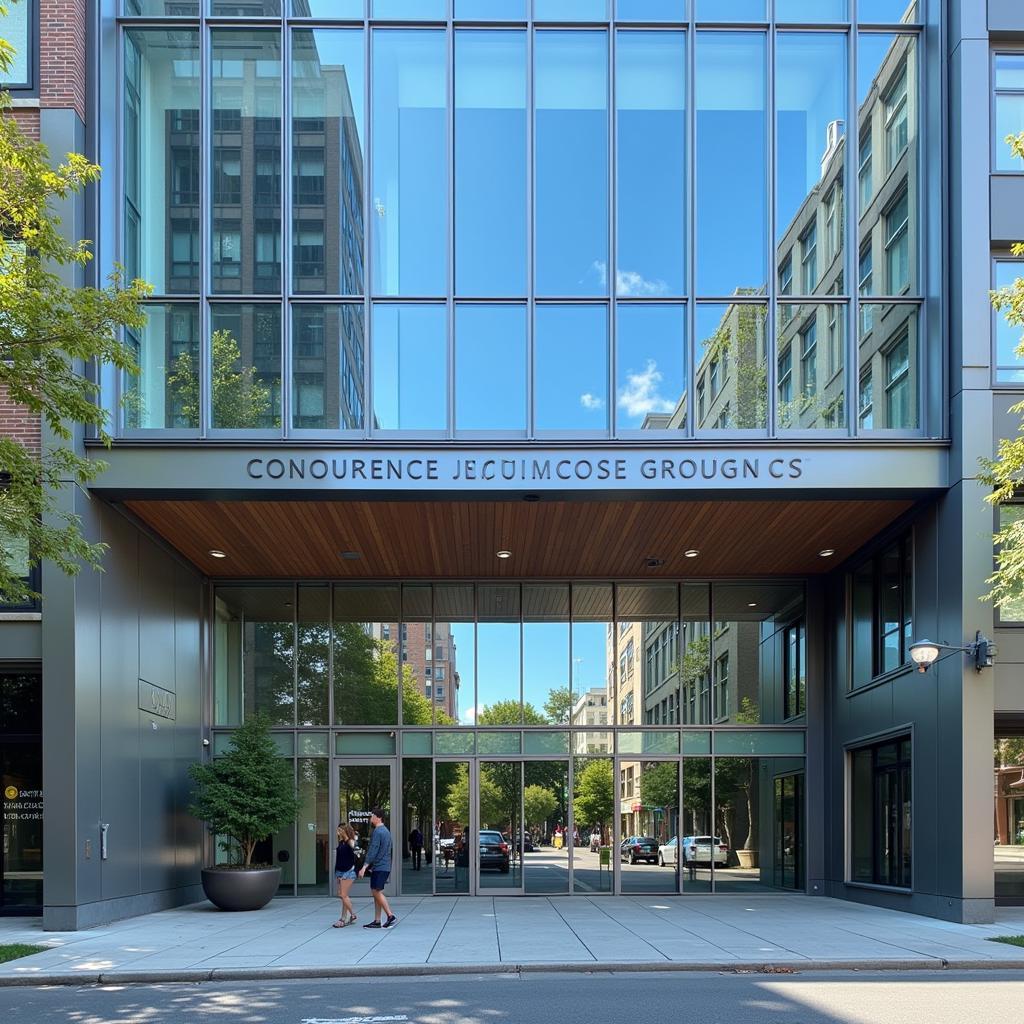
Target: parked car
638,848
668,853
703,846
494,851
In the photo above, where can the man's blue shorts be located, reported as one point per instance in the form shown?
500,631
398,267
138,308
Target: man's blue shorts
378,879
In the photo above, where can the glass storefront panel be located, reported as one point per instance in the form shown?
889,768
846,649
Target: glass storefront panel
731,376
314,654
748,643
409,190
649,820
500,822
245,162
491,10
410,10
161,158
546,696
737,849
328,9
731,104
545,810
695,655
363,788
490,163
593,808
164,395
314,849
731,10
1009,814
650,10
245,387
649,652
593,656
696,846
650,390
571,155
451,832
366,655
789,802
327,139
416,842
650,108
570,369
499,657
254,643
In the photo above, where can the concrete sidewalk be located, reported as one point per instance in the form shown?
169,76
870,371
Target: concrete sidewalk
294,938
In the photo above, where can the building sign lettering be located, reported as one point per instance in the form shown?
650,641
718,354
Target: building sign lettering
23,804
155,700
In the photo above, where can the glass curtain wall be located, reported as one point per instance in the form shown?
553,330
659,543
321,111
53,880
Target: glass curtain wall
328,245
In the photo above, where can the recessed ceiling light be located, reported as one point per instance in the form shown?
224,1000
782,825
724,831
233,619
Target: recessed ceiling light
215,553
504,554
351,556
691,553
827,552
751,604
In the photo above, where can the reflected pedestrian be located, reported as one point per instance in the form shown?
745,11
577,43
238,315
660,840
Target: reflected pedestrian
378,863
416,847
690,856
345,872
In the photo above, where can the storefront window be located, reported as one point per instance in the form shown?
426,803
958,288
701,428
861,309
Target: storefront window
880,814
882,596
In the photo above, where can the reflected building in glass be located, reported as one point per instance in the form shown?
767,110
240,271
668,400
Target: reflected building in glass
559,420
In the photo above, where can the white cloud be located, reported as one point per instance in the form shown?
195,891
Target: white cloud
640,394
468,717
629,282
589,401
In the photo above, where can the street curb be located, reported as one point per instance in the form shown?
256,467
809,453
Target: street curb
194,976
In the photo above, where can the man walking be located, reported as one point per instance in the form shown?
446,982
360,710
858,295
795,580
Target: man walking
416,847
378,863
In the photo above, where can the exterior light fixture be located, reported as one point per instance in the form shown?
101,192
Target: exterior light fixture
216,553
691,553
826,552
654,563
504,554
924,653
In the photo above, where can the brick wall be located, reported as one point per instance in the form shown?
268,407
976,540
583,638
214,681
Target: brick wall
62,54
17,423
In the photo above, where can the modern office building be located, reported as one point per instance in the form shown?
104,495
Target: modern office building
637,351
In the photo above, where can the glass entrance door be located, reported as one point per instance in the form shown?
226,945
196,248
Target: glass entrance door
499,815
363,785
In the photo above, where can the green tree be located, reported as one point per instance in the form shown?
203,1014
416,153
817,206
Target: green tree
558,706
659,784
50,332
1005,473
507,712
594,800
539,805
494,803
249,793
238,396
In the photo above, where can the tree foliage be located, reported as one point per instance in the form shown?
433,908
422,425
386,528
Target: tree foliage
659,784
594,800
539,805
1004,474
558,706
249,793
50,332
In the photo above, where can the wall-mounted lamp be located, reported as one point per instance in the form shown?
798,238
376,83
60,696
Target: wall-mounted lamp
924,653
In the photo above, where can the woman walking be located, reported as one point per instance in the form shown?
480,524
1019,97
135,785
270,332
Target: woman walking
345,872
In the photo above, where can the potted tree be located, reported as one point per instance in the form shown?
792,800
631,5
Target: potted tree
244,797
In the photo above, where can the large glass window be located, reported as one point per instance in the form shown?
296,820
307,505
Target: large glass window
731,105
490,368
164,395
650,101
571,163
367,663
810,340
327,160
881,836
1009,364
16,29
882,604
246,159
810,147
161,158
571,369
499,657
490,163
410,368
246,365
889,359
328,345
1009,811
650,390
409,193
732,366
1009,111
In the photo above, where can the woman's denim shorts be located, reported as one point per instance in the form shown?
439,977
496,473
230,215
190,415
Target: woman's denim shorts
345,874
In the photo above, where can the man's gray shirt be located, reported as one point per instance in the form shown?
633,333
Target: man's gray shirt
378,856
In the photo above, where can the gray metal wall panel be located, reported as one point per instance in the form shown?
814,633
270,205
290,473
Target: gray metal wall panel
156,616
1004,15
1007,211
157,803
21,640
119,767
1009,694
815,831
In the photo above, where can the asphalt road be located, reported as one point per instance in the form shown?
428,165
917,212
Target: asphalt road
914,997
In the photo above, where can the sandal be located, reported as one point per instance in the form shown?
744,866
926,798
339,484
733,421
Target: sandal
340,923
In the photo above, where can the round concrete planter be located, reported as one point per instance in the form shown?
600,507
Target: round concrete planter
238,889
747,858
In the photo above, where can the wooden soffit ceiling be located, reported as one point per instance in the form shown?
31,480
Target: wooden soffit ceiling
548,539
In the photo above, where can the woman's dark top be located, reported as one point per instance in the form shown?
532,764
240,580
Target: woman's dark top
344,857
